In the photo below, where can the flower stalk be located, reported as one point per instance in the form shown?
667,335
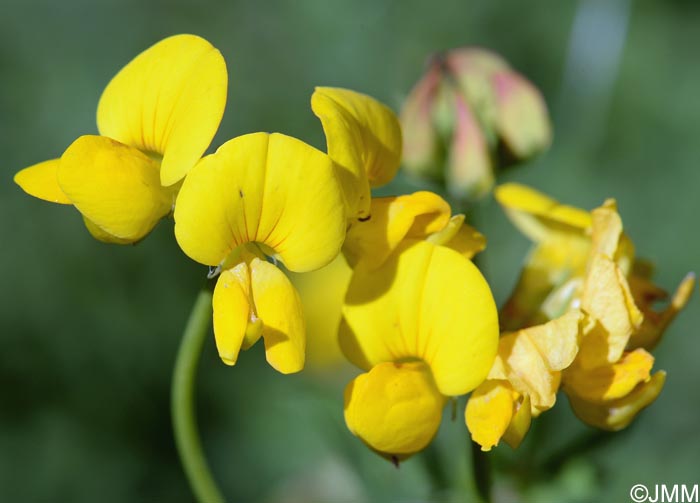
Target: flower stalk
187,439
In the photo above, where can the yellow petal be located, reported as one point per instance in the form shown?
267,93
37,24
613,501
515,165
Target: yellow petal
363,138
538,216
232,311
322,293
101,235
269,189
391,220
426,302
557,341
606,229
614,316
462,238
548,283
115,186
609,382
169,100
617,414
395,408
489,412
40,181
278,305
528,371
520,424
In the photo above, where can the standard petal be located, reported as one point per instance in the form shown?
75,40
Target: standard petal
538,216
395,408
40,180
270,189
363,138
278,305
115,186
617,414
426,302
232,311
370,242
169,100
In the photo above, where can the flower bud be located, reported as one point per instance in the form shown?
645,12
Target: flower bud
469,115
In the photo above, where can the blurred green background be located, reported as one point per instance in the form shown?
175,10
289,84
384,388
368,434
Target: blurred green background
88,332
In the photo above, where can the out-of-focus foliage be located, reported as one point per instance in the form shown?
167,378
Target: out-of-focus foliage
88,331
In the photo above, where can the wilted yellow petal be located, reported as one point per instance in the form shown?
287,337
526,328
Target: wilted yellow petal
527,370
608,302
40,180
391,220
169,100
232,311
617,414
278,305
269,189
655,323
426,302
363,138
557,341
489,412
606,229
115,186
538,216
395,408
609,382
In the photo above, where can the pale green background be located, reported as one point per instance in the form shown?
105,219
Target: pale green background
88,331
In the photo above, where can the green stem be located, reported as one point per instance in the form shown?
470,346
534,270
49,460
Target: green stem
182,403
481,466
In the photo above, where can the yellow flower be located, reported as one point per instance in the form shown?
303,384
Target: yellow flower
584,260
421,321
363,138
261,195
368,244
156,118
610,380
523,381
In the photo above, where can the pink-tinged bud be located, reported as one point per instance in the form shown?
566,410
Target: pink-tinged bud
469,171
419,136
522,121
468,109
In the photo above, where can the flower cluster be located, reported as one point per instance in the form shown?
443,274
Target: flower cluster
581,317
407,304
